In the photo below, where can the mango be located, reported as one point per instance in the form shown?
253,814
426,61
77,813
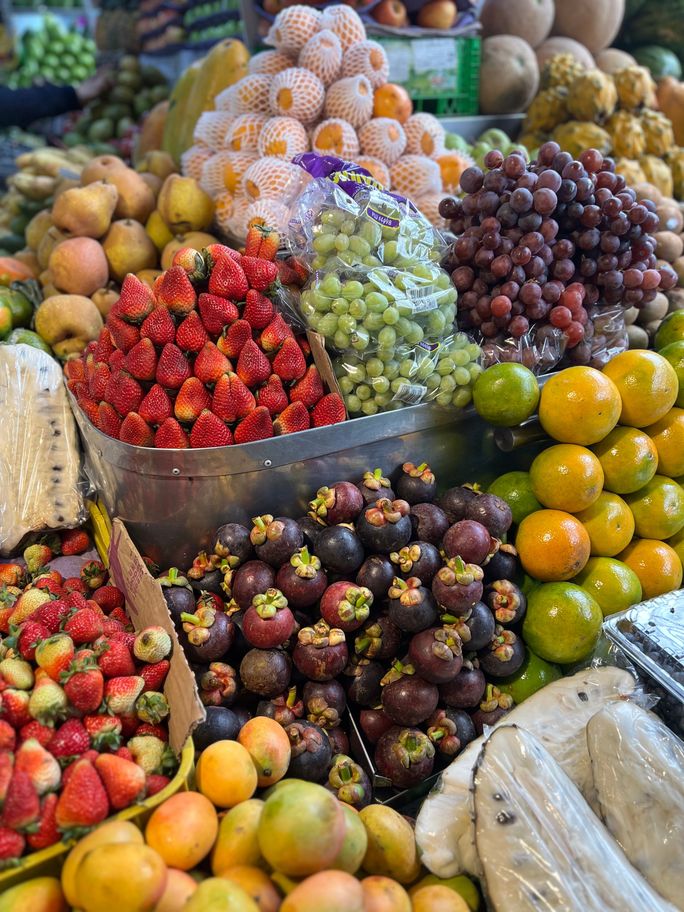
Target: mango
355,843
121,876
158,230
217,895
327,891
391,848
459,884
237,842
42,894
115,831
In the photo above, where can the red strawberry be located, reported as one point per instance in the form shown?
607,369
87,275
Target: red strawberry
126,394
105,345
156,406
191,334
156,731
135,302
39,765
84,626
116,661
272,395
258,310
76,598
14,707
47,833
75,541
121,693
155,674
136,431
31,633
294,418
192,262
256,426
90,756
123,334
116,361
275,334
84,685
228,279
75,369
155,783
43,734
260,273
159,327
8,737
171,436
253,367
6,768
216,312
309,389
78,388
124,752
233,338
52,614
286,274
21,809
209,431
98,382
94,574
11,846
107,420
191,400
290,363
173,368
123,780
232,399
262,242
110,626
108,597
104,731
83,802
210,364
89,409
174,290
74,584
299,268
329,410
215,252
90,348
141,360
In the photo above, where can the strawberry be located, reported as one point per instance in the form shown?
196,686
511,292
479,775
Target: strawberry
232,399
108,597
116,361
75,370
171,436
98,382
174,290
216,312
256,426
75,586
124,751
159,327
210,363
39,765
94,574
228,279
79,388
11,574
173,367
152,644
36,557
123,334
309,389
156,406
104,731
290,363
156,731
14,707
119,614
110,627
299,267
262,242
129,723
89,408
215,252
272,395
136,431
84,686
286,274
90,348
135,302
209,431
105,346
155,783
258,309
49,583
151,753
275,334
155,674
152,706
253,367
70,740
152,567
47,833
116,661
16,672
90,756
54,654
47,702
28,602
11,846
83,802
141,360
191,400
121,693
84,626
191,334
8,737
107,420
6,768
260,273
233,338
75,541
124,393
30,635
123,779
192,262
329,410
21,809
52,615
43,734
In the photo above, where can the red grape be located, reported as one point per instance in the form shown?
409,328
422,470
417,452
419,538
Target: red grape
550,179
514,165
548,151
501,266
668,277
560,317
521,255
501,306
519,326
592,160
471,179
650,279
560,160
574,333
463,278
493,159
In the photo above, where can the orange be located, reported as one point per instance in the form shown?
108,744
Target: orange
674,353
516,489
226,774
677,543
656,564
506,394
613,584
610,524
658,508
566,477
668,436
647,383
392,100
629,460
579,405
552,545
562,623
183,829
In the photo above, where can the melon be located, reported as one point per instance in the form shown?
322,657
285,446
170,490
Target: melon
593,22
530,20
509,75
611,60
556,45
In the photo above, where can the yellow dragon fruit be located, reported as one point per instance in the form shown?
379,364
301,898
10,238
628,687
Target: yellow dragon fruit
635,88
592,96
576,136
561,70
627,135
547,110
658,132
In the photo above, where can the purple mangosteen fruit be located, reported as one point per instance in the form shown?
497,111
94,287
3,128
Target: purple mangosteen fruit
286,708
416,484
450,730
348,782
207,573
268,622
504,655
406,697
468,540
177,593
406,756
320,653
311,751
418,558
492,511
503,564
346,605
339,741
301,579
429,523
385,526
364,677
411,605
208,634
475,626
454,502
374,723
506,601
252,578
218,685
221,724
493,707
375,485
436,654
324,703
340,550
275,539
458,586
376,573
378,639
465,690
340,503
232,543
266,672
310,530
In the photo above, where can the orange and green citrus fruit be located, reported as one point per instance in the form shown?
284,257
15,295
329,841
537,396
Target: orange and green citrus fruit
674,353
668,436
677,543
563,623
579,405
670,330
552,545
533,674
5,321
516,489
647,383
655,563
506,394
629,460
658,508
610,524
613,584
566,477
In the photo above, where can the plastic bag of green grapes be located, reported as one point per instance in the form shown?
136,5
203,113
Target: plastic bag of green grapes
386,380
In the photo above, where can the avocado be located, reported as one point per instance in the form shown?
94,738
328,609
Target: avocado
101,130
153,77
129,62
116,111
141,104
122,94
18,223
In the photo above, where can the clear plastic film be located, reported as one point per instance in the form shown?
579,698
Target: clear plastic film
540,846
40,484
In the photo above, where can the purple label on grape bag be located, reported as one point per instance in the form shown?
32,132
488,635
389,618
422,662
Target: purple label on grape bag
382,219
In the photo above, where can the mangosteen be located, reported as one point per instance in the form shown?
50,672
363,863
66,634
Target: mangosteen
364,676
310,529
406,756
324,703
494,706
454,502
340,550
374,485
311,751
285,708
321,652
385,526
301,579
503,564
266,672
346,605
268,622
458,586
436,654
207,573
340,503
504,655
218,685
406,697
339,741
417,484
475,626
492,511
209,634
275,540
411,606
348,782
378,639
469,540
465,690
221,724
450,730
374,723
419,559
429,522
177,593
249,580
376,573
506,601
232,543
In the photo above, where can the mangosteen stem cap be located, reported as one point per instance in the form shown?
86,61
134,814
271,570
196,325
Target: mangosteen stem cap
306,565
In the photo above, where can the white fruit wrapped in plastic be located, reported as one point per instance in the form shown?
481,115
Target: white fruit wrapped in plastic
283,137
269,62
193,159
271,178
416,175
270,213
383,138
345,23
335,137
211,128
322,54
350,99
297,93
292,28
248,96
224,172
243,133
369,59
376,168
424,135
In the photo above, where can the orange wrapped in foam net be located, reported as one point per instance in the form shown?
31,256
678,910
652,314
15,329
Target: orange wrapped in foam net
383,138
269,62
248,96
292,28
350,99
335,137
376,168
243,133
269,213
211,128
424,135
346,23
322,54
193,159
283,137
224,171
224,204
297,93
237,223
416,175
367,58
271,178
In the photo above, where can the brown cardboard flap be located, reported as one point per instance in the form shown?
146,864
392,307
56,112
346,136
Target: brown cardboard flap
324,364
147,606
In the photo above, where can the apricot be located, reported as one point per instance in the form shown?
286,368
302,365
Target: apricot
115,831
178,890
327,891
269,748
122,877
237,842
183,829
381,894
42,894
225,774
437,898
354,845
257,884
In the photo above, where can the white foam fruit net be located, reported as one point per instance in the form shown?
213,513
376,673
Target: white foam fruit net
351,99
346,23
211,127
269,62
416,175
335,137
248,96
376,168
269,213
424,135
193,159
243,133
367,58
271,178
224,203
293,27
297,93
224,172
283,137
383,138
322,54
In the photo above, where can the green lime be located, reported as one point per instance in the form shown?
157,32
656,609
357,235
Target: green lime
670,330
506,394
516,489
674,353
614,585
28,337
533,674
563,622
5,320
20,306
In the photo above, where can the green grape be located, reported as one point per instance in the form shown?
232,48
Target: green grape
353,404
376,302
460,340
348,226
415,335
380,384
387,337
403,325
371,261
341,340
347,323
475,370
388,231
382,400
474,351
443,280
356,372
443,399
397,384
432,382
363,392
369,408
460,357
389,252
324,243
341,242
357,308
348,258
346,385
360,246
328,324
307,309
390,315
374,367
368,288
436,323
360,339
333,217
370,231
445,366
447,384
314,322
424,368
461,376
402,281
407,367
385,354
352,290
318,262
392,369
321,303
462,397
331,285
339,306
373,322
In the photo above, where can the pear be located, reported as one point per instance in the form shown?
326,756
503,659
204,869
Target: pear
47,244
152,181
37,228
101,168
128,249
136,199
105,298
184,206
158,163
158,230
86,211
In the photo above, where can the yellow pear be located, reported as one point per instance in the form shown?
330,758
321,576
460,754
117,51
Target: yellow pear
48,242
105,298
101,168
37,228
195,239
128,249
158,230
184,205
136,199
152,181
158,163
64,184
149,276
86,211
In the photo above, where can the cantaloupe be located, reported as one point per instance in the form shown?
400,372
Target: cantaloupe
557,45
509,75
610,60
593,22
530,20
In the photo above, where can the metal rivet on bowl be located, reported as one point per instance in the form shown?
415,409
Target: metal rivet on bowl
175,471
267,463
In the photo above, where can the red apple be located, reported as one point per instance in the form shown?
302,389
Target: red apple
391,12
438,14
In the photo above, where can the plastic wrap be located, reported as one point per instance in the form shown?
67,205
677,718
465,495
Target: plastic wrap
39,456
541,847
558,716
638,769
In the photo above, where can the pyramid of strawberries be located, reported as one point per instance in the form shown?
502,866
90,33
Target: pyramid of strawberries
203,359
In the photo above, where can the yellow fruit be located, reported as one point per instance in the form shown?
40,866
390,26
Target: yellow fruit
79,266
257,884
183,846
135,198
437,898
613,584
391,848
609,523
122,876
592,96
196,239
179,888
668,437
101,168
658,508
562,623
677,544
579,405
656,564
629,460
184,206
327,891
335,137
382,894
158,231
41,894
553,545
566,477
647,383
226,774
86,211
237,843
218,895
297,93
128,248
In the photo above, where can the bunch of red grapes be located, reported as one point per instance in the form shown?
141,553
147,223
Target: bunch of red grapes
547,252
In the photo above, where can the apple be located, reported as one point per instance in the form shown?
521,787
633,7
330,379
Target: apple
391,12
438,14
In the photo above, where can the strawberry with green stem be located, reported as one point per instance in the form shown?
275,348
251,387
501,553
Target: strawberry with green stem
124,780
46,833
21,809
83,802
94,574
84,684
